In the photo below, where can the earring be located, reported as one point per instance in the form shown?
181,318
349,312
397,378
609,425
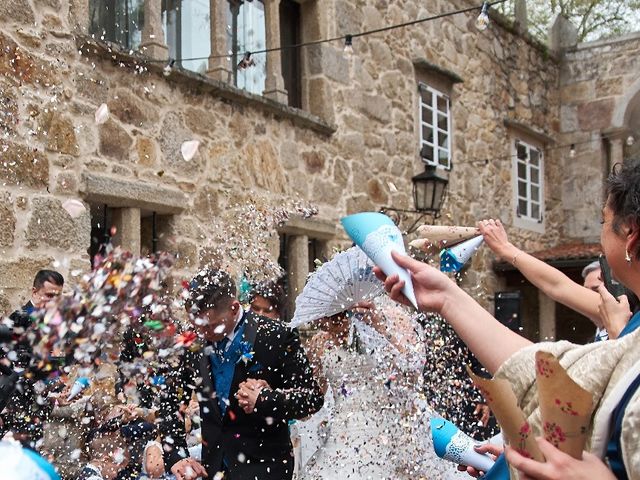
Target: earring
627,257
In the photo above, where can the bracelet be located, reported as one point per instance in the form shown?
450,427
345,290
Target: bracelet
514,259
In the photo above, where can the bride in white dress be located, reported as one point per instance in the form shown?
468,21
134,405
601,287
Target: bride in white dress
376,426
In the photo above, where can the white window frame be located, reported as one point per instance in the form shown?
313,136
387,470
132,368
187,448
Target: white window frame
528,219
426,90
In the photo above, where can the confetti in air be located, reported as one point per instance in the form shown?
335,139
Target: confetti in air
74,208
189,149
102,114
244,233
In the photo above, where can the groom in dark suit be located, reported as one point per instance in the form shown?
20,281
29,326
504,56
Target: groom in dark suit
251,378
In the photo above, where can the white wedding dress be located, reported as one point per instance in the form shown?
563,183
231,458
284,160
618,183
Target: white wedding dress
376,425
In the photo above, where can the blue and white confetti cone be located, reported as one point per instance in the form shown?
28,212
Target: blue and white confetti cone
452,444
378,236
24,464
454,258
78,386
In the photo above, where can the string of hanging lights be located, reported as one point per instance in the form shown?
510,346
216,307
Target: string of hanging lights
482,22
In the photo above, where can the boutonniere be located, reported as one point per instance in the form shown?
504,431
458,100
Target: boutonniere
185,339
246,353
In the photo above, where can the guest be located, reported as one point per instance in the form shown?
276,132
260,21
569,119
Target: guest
23,416
108,453
584,298
609,370
47,286
267,299
252,378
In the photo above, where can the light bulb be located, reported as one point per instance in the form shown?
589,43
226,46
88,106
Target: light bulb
482,22
572,151
348,46
630,140
168,68
246,61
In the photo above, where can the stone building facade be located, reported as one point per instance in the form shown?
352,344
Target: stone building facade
345,133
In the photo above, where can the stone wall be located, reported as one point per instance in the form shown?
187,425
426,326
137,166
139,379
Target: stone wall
51,83
598,88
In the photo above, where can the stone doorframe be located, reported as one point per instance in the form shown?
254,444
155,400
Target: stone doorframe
128,198
299,232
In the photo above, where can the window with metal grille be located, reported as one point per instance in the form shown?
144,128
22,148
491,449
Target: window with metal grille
435,127
529,174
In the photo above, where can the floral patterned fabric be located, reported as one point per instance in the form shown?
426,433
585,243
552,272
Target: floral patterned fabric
601,368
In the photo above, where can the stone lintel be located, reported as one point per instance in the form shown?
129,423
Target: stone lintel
616,133
529,131
319,229
116,192
204,85
423,64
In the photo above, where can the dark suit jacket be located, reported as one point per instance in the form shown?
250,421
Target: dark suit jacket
255,445
22,413
21,317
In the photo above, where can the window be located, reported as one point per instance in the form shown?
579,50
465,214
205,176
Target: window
246,32
528,168
101,217
117,21
187,29
297,257
290,34
435,127
145,235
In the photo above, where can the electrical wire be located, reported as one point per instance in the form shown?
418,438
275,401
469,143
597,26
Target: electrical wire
342,37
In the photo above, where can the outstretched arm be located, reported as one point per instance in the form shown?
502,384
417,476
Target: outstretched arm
490,341
555,284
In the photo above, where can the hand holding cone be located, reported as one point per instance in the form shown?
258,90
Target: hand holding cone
565,410
565,406
450,443
378,236
504,405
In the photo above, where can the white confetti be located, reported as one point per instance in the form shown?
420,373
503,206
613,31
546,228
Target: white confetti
189,149
119,456
74,207
102,114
